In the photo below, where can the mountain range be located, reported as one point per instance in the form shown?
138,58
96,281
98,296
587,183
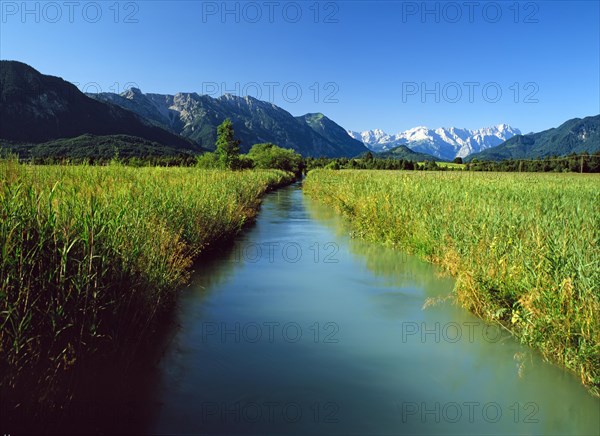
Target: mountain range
196,117
43,115
574,136
36,108
443,143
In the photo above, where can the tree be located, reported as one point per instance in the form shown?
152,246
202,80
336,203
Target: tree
228,148
431,165
269,155
458,160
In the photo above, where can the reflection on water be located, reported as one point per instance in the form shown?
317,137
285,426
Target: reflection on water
299,329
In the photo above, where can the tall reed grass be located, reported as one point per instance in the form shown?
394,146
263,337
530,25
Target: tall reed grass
525,248
91,254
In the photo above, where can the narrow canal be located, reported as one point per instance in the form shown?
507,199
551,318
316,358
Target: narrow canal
299,329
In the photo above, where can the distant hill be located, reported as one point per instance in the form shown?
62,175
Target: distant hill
333,133
403,152
197,116
91,147
36,108
574,136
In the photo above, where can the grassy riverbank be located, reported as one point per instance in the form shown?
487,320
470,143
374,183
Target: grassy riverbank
525,248
91,254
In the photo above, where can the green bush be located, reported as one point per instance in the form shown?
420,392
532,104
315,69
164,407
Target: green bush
270,156
208,161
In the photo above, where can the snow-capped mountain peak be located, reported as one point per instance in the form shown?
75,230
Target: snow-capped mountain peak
444,142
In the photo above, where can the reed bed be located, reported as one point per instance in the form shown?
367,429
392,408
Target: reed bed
524,248
91,254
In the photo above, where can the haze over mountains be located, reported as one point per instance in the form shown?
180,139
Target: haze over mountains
443,143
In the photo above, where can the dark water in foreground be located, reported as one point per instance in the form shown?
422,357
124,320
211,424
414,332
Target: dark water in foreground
298,329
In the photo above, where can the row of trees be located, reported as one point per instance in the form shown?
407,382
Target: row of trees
367,163
577,163
181,160
267,156
584,163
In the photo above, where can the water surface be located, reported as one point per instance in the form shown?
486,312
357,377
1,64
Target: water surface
299,329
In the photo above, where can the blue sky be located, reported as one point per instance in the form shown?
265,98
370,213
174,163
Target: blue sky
388,65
